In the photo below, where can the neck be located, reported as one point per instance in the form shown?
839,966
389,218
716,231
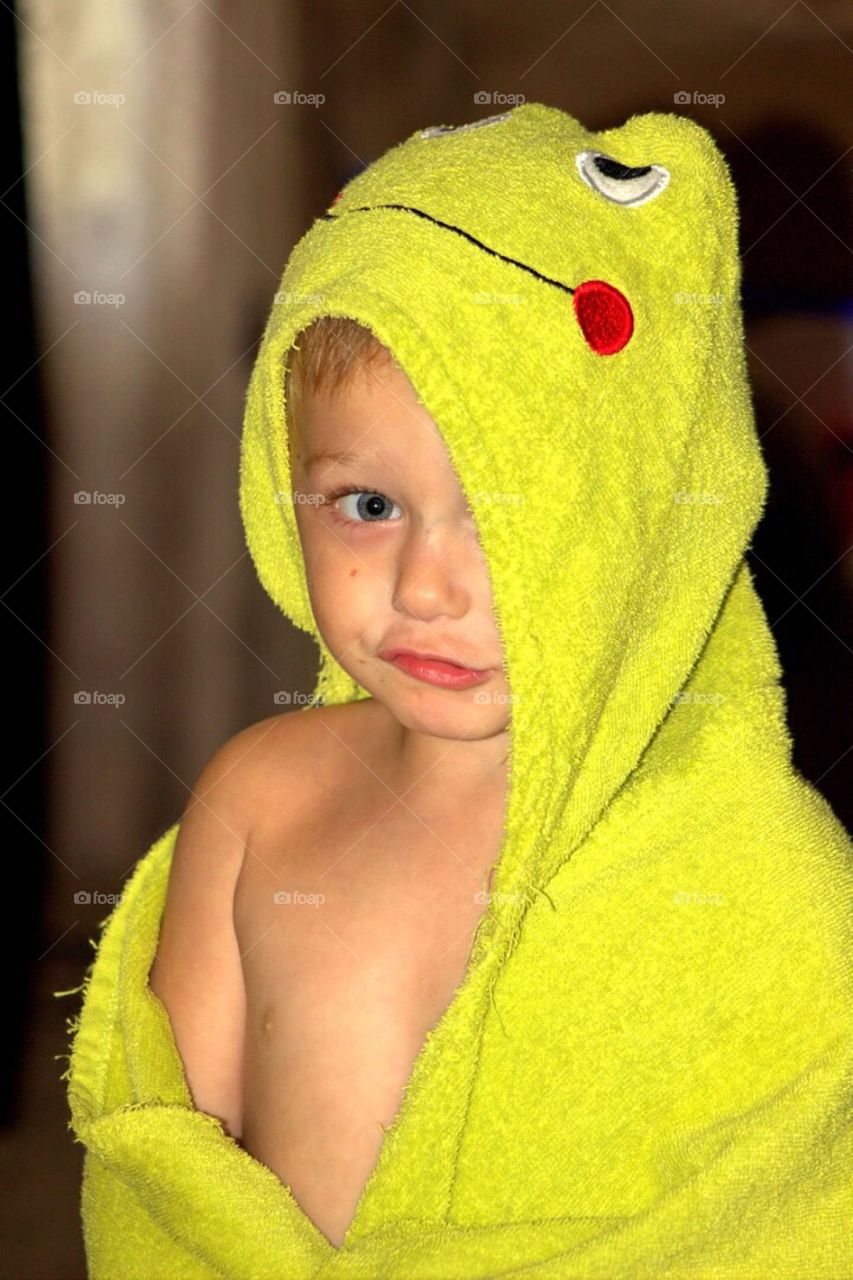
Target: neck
458,768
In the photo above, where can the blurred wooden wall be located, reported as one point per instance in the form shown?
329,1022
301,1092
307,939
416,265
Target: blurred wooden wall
183,198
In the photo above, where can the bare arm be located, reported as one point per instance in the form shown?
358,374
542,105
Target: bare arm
197,972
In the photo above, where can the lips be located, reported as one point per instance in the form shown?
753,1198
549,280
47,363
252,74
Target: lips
436,671
388,655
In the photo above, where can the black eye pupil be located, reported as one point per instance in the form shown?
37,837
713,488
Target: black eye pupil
613,169
374,504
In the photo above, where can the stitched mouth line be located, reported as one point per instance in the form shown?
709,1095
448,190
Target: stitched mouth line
448,226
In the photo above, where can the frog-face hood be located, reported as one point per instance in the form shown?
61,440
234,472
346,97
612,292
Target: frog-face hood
566,305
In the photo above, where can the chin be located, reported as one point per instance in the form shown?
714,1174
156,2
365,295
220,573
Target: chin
446,713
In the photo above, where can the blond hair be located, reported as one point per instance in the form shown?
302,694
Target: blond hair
324,356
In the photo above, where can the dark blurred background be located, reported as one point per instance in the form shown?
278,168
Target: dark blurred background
152,193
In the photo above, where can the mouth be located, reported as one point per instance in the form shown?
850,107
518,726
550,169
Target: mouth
431,669
602,311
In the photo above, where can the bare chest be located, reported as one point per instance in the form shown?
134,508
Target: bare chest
354,940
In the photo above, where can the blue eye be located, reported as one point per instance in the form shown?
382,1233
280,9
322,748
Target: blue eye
368,508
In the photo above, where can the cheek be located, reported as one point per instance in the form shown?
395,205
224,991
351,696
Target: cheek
347,588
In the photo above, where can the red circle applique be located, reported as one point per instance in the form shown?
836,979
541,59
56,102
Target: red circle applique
604,315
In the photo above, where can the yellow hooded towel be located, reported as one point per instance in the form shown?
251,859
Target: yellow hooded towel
646,1070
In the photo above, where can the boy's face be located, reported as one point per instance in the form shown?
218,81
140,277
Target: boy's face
396,563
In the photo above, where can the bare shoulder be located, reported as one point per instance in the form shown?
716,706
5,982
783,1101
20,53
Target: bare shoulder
297,756
240,773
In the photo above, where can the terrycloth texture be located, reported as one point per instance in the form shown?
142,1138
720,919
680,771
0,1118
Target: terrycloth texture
647,1068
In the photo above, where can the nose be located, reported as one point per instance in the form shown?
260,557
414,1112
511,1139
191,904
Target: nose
433,572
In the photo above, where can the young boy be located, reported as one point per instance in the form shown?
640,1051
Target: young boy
299,1024
526,951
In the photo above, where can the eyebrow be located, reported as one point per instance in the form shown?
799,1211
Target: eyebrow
343,456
